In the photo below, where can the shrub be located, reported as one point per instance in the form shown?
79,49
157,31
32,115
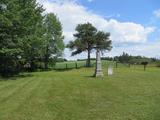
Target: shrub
9,67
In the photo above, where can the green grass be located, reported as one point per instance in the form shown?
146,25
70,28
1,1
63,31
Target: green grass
80,64
130,94
70,64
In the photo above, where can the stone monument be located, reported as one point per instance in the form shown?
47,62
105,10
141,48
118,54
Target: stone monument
98,71
110,70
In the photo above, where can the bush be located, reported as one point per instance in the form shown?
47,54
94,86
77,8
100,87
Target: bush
9,68
158,63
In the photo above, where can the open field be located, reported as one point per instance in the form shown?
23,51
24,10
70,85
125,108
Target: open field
130,94
105,63
80,64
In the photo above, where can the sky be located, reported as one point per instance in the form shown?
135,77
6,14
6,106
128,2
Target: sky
134,24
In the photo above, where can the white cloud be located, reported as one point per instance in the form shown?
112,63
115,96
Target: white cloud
127,32
56,1
71,13
150,49
157,13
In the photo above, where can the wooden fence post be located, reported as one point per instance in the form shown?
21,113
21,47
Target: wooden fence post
116,64
66,66
76,65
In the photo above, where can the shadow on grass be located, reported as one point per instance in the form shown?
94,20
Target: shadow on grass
93,77
16,77
66,69
90,76
63,70
55,69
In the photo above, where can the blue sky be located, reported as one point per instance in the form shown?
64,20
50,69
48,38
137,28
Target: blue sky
134,24
139,11
129,10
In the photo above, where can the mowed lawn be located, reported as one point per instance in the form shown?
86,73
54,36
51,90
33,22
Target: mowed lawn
130,94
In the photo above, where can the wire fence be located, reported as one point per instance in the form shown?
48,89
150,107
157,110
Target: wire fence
71,65
105,64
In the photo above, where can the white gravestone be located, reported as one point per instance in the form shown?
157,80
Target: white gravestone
110,70
98,71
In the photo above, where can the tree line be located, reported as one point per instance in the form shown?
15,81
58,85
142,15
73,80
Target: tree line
130,59
31,39
27,36
125,58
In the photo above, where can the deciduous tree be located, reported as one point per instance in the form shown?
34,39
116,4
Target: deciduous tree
54,44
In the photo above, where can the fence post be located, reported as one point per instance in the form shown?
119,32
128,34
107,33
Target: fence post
66,66
76,65
129,65
116,64
54,66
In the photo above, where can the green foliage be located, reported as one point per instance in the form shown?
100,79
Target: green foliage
20,33
32,31
9,62
9,42
144,63
103,41
126,58
53,42
26,36
87,39
158,63
84,38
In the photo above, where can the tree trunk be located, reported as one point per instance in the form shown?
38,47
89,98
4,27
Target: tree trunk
88,59
46,59
116,64
32,66
46,62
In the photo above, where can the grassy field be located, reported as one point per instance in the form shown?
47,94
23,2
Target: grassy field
70,64
80,64
130,94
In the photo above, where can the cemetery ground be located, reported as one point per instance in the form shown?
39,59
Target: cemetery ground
130,94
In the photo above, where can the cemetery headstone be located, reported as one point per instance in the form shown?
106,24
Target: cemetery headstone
98,71
110,70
